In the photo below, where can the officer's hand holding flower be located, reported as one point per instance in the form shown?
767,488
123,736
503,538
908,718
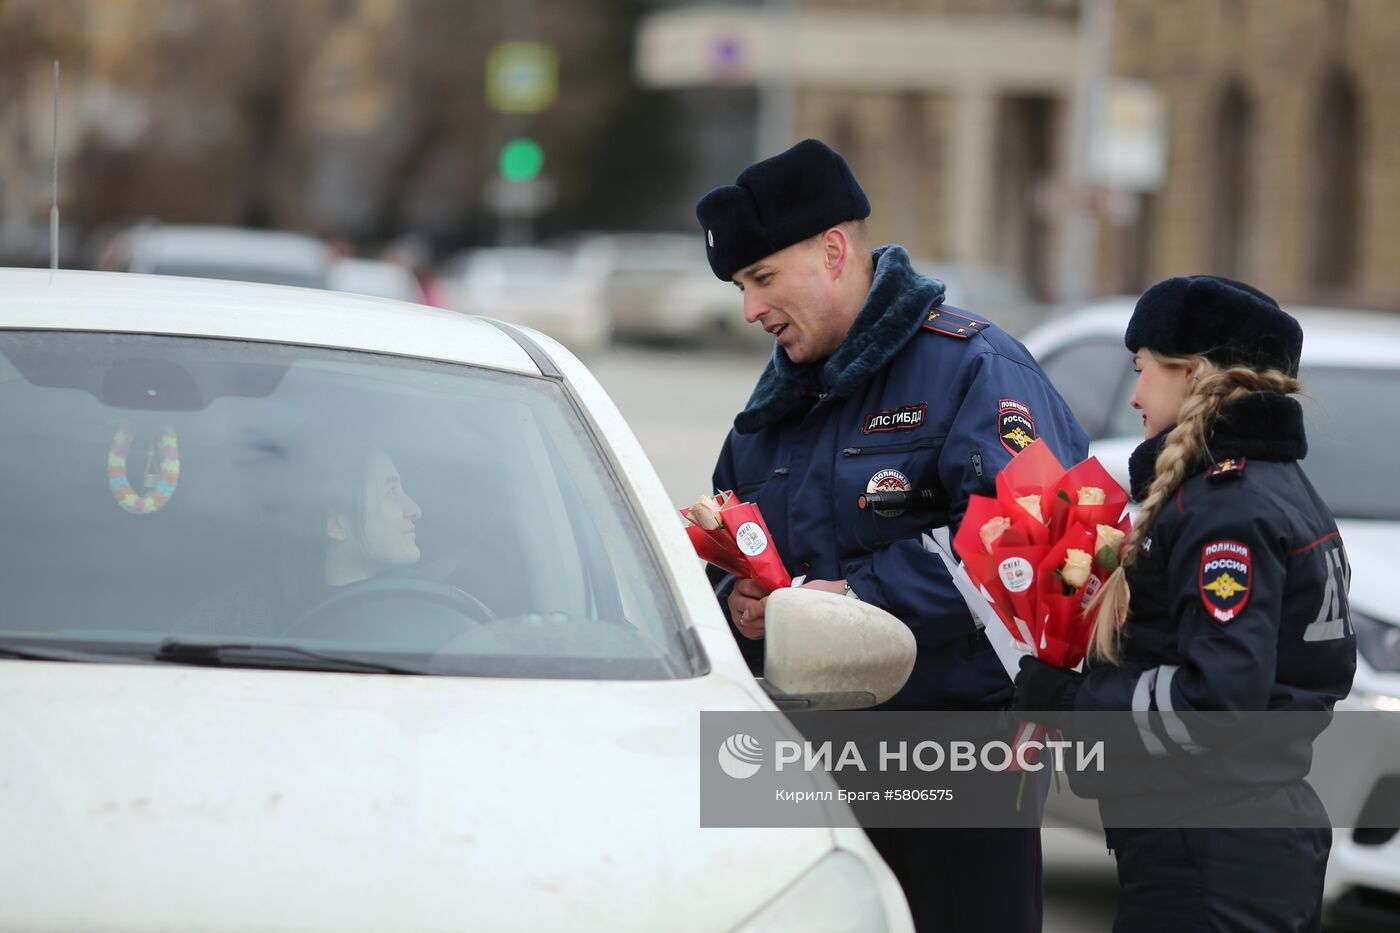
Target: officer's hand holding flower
747,603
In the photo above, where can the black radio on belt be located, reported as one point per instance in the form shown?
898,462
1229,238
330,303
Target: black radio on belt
918,500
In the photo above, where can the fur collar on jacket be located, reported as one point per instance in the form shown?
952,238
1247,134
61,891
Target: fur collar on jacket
1261,426
893,312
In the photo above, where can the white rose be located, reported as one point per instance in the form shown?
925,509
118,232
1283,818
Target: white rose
1075,571
1032,505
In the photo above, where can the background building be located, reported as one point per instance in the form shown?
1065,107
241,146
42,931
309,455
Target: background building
348,118
1284,132
1069,146
1077,145
952,112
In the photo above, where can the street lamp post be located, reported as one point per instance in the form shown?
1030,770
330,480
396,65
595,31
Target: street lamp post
1079,228
777,88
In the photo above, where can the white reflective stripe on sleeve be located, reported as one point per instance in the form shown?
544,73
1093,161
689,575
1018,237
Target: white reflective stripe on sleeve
1142,703
1142,693
937,541
1163,691
1176,729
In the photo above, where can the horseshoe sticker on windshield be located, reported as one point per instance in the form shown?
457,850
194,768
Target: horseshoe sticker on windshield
162,473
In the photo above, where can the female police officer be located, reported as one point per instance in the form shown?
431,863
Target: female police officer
1237,603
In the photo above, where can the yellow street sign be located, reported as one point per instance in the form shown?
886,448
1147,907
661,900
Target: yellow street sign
521,77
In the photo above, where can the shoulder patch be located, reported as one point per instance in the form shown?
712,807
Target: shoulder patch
1223,471
1226,577
951,322
1015,425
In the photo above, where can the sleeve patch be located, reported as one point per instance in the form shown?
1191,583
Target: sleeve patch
1226,574
1015,425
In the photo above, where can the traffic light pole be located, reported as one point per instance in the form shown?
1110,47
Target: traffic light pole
515,220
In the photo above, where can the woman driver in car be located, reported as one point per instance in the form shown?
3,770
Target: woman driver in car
352,522
369,526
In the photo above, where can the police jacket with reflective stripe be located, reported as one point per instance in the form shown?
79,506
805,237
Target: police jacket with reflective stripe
1239,599
897,406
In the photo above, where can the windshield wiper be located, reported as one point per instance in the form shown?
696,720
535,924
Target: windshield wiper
59,654
266,655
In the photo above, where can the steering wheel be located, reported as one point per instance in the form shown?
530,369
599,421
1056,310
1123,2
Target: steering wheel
321,617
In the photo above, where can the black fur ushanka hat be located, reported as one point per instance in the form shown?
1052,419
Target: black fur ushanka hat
1227,322
773,204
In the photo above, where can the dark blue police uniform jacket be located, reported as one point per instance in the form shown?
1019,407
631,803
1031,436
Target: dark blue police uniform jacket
1239,603
918,396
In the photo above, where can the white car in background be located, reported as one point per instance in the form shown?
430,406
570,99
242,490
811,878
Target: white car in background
374,277
240,254
1351,399
503,733
659,288
985,291
534,286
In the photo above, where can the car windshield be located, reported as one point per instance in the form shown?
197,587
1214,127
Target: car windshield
422,516
1352,417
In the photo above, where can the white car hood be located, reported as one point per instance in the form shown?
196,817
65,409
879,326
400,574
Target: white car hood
150,798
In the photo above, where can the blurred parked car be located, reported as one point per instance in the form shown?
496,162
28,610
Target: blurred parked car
1351,399
211,252
985,290
658,287
529,285
500,732
376,278
28,244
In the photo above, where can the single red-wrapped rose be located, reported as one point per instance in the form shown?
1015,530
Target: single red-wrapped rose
733,536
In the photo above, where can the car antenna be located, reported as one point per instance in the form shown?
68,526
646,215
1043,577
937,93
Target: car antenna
53,211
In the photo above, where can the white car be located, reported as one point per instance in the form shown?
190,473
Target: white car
467,696
658,287
240,254
1351,398
374,277
988,292
533,286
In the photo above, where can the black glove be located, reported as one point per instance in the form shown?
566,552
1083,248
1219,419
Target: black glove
1041,687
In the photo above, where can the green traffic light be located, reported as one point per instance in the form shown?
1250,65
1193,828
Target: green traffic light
521,160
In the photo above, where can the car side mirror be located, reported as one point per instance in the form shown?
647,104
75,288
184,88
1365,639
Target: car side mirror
824,651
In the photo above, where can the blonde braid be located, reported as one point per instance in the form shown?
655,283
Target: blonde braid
1188,444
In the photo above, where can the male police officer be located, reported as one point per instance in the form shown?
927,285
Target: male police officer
876,385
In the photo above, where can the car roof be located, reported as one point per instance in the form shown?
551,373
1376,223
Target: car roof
40,299
1331,336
